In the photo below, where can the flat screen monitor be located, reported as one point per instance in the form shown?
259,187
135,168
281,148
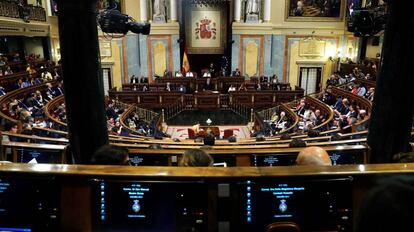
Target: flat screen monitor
29,204
273,159
149,159
287,159
229,159
315,205
42,156
347,157
149,206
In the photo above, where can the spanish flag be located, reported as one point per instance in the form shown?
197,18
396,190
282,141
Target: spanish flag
186,64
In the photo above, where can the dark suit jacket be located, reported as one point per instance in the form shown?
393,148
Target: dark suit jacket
236,74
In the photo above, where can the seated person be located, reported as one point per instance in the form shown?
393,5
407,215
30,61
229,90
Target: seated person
196,128
111,155
144,80
196,158
178,74
182,89
207,74
210,139
313,156
236,73
168,87
232,89
274,117
297,143
189,74
208,85
242,87
211,69
134,80
285,136
167,74
281,123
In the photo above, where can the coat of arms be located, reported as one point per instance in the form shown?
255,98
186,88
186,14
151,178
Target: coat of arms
205,29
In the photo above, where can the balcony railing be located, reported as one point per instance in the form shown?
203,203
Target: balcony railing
13,10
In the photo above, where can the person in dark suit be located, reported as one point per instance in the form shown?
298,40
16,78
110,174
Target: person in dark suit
182,89
236,73
134,80
167,74
58,90
2,91
208,85
143,80
110,111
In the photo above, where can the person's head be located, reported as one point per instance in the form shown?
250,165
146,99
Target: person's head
389,206
155,146
209,140
313,133
111,155
362,113
232,139
313,156
11,128
371,90
285,136
403,157
196,158
260,137
297,143
352,121
336,137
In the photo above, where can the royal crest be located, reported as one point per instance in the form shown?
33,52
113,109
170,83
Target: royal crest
205,29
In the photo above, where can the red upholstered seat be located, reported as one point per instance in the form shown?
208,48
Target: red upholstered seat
191,133
227,133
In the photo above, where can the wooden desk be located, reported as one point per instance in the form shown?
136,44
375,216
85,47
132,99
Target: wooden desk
205,129
207,99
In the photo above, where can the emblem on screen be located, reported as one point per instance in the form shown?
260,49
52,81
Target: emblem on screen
282,206
136,207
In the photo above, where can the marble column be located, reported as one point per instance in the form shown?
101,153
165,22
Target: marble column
237,10
143,6
173,10
267,10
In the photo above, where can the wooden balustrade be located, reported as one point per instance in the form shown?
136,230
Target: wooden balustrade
51,106
368,84
206,99
13,10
